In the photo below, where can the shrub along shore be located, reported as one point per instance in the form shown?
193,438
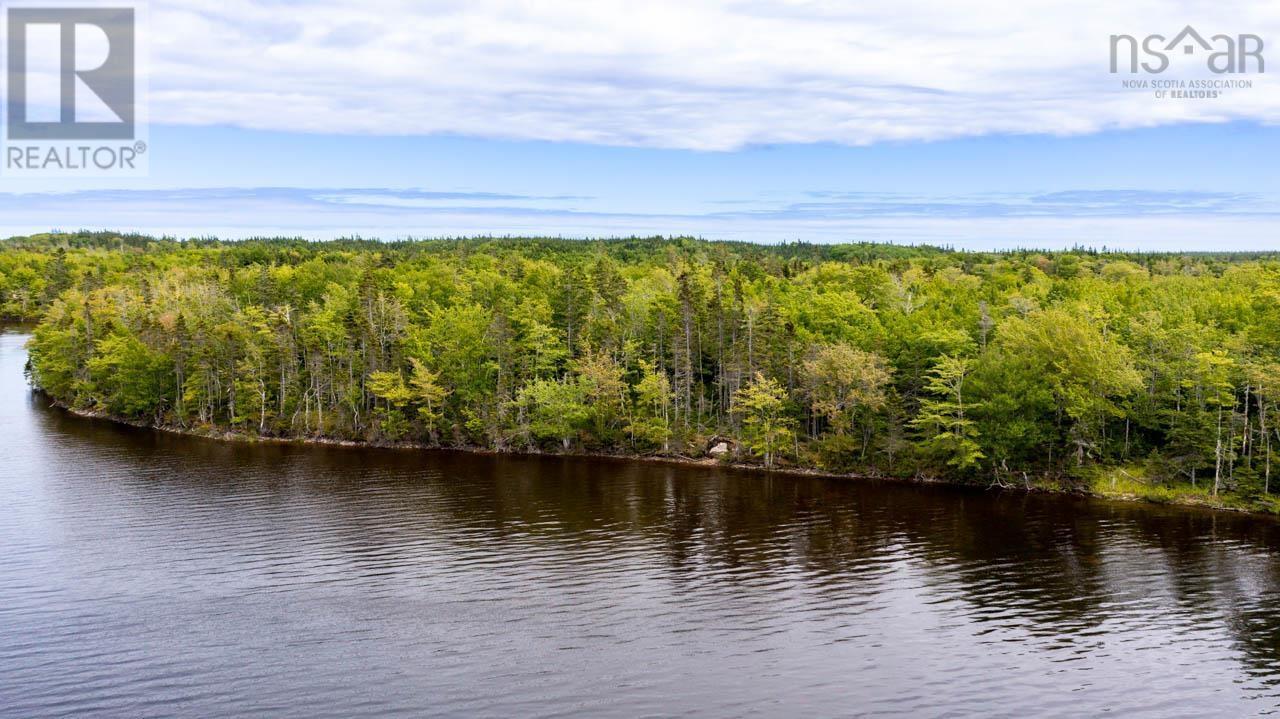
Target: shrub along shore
1151,376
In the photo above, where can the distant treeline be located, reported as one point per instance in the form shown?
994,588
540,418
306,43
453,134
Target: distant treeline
1156,373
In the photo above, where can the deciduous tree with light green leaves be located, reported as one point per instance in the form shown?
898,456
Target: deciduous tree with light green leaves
948,434
846,386
554,409
767,427
650,422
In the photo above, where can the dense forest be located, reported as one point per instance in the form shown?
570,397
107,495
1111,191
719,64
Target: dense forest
1155,375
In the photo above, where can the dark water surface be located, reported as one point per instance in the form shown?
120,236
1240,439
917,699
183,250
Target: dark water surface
148,574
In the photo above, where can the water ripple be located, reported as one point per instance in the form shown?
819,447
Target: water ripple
145,574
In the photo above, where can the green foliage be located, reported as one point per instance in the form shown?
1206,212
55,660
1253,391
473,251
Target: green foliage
604,392
132,377
554,409
947,432
766,424
1028,365
846,385
1064,373
650,423
428,394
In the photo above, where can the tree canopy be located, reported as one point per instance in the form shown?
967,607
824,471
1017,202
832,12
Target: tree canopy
870,358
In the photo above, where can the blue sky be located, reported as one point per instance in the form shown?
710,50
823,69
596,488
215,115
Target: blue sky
827,125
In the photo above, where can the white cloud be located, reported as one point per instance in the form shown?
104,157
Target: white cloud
700,74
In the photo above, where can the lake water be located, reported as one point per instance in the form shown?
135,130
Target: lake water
147,574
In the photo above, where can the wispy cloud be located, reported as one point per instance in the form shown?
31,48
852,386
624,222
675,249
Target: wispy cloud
1117,218
1064,204
700,74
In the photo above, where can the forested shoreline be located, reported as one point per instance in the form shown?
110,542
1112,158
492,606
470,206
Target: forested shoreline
1150,375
